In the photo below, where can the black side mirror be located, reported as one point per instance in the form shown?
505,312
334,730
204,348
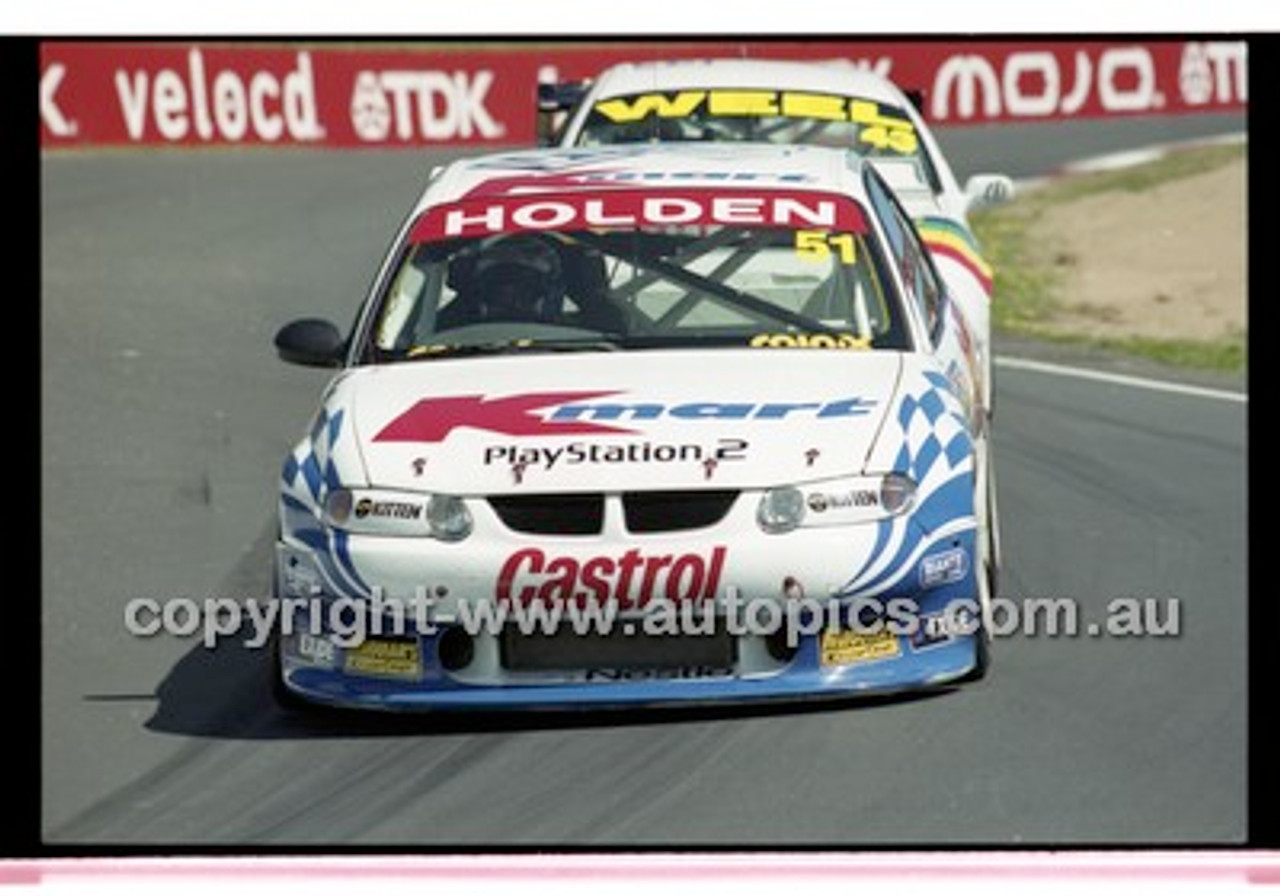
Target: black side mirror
311,342
556,101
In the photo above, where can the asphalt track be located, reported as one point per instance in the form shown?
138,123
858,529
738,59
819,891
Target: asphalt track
164,418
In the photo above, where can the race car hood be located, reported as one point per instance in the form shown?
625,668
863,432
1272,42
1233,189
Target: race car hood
599,421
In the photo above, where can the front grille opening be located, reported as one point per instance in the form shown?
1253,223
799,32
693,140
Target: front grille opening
560,514
566,650
675,511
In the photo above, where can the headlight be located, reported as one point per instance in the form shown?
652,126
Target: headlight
897,492
448,517
781,509
337,507
384,512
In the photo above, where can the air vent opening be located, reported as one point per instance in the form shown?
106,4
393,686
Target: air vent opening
675,511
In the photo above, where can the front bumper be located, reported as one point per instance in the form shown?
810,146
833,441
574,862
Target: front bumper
364,657
803,678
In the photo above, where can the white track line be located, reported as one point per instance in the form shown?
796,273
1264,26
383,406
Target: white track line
1127,158
1115,161
1120,379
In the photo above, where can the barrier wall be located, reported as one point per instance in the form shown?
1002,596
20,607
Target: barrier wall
404,95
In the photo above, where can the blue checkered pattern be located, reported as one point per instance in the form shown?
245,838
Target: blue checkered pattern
936,452
311,463
933,428
309,475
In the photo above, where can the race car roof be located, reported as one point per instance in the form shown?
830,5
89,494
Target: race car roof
722,166
833,77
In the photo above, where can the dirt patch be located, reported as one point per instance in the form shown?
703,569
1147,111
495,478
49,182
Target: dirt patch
1169,262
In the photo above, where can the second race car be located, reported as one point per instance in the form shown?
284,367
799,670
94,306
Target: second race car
825,103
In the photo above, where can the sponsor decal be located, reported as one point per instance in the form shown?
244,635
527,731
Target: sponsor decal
883,127
191,102
716,410
943,568
820,502
809,340
315,650
934,629
573,413
1213,72
851,648
630,209
51,114
408,106
576,453
399,510
662,674
1069,81
630,579
432,419
385,657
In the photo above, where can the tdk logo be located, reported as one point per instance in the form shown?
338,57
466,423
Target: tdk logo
580,413
422,105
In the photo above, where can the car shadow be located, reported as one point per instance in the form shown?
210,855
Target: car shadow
224,692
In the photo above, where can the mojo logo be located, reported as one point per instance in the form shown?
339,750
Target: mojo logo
422,105
573,413
1036,84
230,106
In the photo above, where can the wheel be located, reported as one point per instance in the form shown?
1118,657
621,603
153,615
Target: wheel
982,659
988,559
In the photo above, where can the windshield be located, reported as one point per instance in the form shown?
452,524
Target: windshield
872,129
636,279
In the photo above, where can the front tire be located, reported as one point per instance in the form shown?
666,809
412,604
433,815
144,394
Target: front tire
987,571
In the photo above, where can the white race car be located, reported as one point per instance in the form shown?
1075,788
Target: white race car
795,102
640,425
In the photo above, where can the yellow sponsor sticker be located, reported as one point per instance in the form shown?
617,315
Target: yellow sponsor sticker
809,340
746,103
814,105
882,131
624,111
848,648
392,659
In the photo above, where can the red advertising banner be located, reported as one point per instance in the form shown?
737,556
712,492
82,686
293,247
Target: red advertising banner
384,96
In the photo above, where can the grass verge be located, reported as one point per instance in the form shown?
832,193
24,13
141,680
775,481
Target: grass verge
1029,287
